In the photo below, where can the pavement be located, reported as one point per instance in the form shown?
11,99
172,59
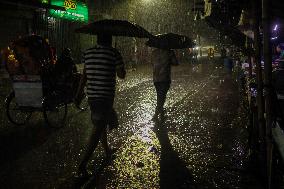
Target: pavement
201,142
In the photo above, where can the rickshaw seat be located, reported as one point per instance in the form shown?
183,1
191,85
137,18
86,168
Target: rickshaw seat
28,90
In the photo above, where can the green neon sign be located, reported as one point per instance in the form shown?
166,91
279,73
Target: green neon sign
75,10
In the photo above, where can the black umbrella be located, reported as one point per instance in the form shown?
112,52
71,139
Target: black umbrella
170,41
115,28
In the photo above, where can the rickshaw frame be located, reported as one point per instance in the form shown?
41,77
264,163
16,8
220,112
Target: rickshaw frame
52,102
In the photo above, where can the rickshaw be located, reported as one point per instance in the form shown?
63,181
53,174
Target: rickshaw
30,64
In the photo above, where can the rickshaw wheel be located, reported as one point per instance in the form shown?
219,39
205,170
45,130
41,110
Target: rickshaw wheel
16,114
54,113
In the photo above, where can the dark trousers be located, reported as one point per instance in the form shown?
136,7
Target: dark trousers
228,64
162,90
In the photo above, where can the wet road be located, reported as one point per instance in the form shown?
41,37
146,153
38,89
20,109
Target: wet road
200,143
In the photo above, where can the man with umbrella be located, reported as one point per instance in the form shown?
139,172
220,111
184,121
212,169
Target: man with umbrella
162,60
101,65
163,57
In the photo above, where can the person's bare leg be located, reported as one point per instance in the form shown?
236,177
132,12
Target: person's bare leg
92,144
104,143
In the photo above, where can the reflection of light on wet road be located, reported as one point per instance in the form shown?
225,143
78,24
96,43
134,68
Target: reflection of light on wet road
198,130
136,158
144,111
145,133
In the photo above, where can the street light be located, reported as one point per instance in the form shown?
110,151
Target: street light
146,1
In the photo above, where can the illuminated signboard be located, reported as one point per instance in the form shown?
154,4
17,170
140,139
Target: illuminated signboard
75,10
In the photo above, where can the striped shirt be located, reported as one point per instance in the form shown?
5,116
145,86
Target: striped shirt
100,65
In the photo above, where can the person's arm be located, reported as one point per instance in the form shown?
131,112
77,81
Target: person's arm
81,86
173,59
120,68
121,73
74,67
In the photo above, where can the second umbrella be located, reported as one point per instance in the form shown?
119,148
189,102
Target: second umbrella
170,41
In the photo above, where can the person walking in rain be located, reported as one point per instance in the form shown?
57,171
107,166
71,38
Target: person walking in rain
65,70
101,65
280,51
162,60
65,65
228,61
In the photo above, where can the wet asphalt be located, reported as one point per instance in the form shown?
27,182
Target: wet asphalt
201,142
